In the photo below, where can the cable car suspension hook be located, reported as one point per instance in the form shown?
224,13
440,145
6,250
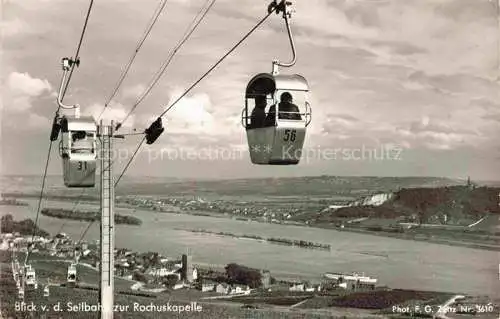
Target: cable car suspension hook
283,6
66,65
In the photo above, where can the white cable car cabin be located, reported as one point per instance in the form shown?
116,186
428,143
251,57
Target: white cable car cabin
46,291
276,138
78,150
71,274
14,271
30,276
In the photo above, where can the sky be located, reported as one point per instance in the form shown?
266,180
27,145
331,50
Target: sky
398,87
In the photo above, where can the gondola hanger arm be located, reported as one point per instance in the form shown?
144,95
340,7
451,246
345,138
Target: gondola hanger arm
284,8
66,65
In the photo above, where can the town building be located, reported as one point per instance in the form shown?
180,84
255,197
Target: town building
187,272
164,271
240,289
265,278
297,287
222,288
353,281
207,285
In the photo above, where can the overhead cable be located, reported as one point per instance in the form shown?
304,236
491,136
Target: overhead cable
187,34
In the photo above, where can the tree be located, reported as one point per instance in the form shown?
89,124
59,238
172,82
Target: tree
7,223
170,280
137,276
156,258
24,227
243,275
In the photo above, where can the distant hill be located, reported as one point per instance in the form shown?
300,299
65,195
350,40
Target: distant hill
296,186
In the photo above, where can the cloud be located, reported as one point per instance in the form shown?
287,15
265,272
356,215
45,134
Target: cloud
438,135
459,83
30,122
338,124
37,121
493,117
324,18
397,47
422,34
192,114
114,112
21,90
486,103
134,91
24,84
13,27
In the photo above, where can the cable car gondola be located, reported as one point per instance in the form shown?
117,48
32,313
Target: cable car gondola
276,137
78,150
78,146
71,278
30,276
46,291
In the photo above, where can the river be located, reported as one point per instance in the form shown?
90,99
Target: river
396,263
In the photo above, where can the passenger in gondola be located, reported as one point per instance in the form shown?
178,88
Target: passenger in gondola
78,135
81,144
286,110
258,116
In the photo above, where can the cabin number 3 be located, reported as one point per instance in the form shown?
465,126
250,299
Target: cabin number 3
82,166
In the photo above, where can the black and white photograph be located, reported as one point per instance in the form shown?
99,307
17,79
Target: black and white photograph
250,159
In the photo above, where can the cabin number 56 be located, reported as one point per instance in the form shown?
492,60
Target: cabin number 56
289,135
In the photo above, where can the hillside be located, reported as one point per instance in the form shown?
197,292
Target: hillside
460,204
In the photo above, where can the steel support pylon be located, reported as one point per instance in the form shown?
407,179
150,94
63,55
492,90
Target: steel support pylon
107,222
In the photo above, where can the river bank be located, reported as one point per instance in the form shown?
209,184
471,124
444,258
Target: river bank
415,237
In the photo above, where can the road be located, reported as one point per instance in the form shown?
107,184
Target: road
443,309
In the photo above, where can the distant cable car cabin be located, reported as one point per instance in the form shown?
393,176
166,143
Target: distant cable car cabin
31,276
78,150
276,138
71,279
